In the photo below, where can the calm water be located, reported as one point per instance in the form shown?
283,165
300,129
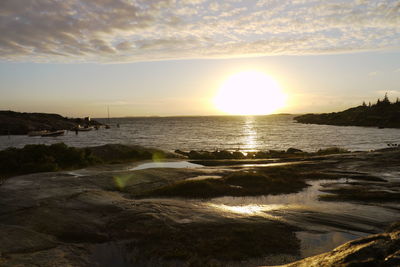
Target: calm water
327,224
222,132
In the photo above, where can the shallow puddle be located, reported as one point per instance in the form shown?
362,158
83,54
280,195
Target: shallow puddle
326,224
317,243
275,164
171,164
203,177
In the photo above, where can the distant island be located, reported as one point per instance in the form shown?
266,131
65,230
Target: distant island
382,114
19,123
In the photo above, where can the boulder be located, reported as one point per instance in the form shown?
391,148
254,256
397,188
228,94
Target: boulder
292,150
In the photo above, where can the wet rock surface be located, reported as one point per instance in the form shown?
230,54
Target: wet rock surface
376,250
93,217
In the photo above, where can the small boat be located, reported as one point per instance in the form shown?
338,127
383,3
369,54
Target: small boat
84,129
53,133
37,133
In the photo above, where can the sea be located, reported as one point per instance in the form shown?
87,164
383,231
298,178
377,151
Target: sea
242,133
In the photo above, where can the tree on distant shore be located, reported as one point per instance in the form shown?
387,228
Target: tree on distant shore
383,113
386,100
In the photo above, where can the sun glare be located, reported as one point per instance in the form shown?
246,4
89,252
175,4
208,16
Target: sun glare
250,93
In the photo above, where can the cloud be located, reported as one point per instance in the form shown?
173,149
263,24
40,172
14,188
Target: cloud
142,30
374,73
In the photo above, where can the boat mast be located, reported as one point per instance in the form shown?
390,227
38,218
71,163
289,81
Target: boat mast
108,112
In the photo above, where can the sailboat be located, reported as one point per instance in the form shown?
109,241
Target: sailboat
108,124
37,133
53,133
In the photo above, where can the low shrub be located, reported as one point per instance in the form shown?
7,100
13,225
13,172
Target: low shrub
43,158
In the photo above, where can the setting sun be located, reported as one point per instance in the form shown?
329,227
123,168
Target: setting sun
250,93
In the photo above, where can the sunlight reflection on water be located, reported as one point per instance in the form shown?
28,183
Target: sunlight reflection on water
246,209
223,132
171,164
249,135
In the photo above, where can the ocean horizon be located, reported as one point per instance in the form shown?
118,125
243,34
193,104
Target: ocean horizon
235,133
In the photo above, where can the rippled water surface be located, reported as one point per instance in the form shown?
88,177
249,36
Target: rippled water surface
222,132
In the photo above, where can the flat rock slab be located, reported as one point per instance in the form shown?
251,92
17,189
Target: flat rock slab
59,219
16,239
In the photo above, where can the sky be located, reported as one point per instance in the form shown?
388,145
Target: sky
170,57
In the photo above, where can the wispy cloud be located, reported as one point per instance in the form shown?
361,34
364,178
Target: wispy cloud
374,73
141,30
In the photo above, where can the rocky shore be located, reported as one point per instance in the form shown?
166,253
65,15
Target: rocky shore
17,123
124,215
375,250
57,157
383,114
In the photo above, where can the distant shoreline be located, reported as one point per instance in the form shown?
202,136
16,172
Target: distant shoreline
383,114
197,116
21,123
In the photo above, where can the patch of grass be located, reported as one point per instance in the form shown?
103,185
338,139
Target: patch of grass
117,153
42,158
195,188
56,157
332,150
259,181
236,184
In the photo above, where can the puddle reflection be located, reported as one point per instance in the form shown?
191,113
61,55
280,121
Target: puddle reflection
203,177
326,224
172,164
316,243
246,209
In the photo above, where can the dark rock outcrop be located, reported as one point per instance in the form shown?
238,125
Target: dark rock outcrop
292,150
269,154
383,115
15,123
